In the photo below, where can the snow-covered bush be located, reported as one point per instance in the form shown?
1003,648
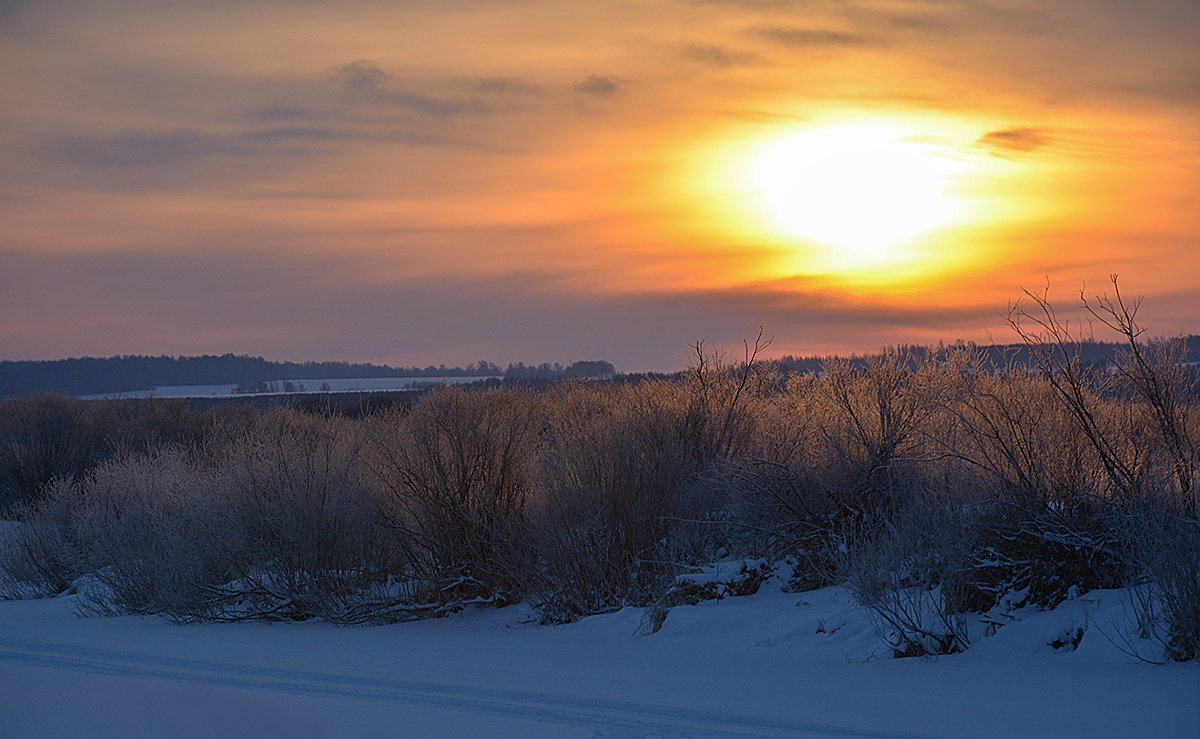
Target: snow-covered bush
275,522
628,497
619,463
1164,548
458,474
303,538
117,524
50,436
38,557
43,437
907,568
1044,552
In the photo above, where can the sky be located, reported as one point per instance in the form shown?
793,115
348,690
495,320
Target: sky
429,182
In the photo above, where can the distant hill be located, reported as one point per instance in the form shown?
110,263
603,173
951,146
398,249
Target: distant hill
129,374
98,376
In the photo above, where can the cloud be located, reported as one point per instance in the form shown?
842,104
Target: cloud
599,86
434,106
191,159
716,56
143,148
810,37
284,113
753,4
506,86
133,149
1014,140
364,77
362,74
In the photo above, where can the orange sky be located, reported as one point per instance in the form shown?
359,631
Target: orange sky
443,182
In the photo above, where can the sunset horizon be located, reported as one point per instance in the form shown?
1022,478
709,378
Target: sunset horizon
429,183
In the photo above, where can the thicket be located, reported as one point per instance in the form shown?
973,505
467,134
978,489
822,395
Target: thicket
935,488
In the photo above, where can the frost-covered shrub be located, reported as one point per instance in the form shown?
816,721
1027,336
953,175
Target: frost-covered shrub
126,524
906,568
277,521
305,517
1044,552
1010,431
39,556
458,473
43,437
621,476
787,509
836,454
1163,545
50,436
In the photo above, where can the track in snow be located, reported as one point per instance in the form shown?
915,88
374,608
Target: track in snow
604,717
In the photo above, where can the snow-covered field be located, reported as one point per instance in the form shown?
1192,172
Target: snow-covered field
771,664
332,385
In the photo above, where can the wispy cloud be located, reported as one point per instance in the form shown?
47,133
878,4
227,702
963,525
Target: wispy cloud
144,148
362,74
364,77
717,56
599,86
284,113
507,86
810,37
1014,140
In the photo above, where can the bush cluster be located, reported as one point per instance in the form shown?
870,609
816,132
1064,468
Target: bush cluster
933,488
48,436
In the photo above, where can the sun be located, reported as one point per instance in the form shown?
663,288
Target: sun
862,191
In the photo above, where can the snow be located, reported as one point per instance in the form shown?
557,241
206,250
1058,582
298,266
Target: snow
322,385
770,664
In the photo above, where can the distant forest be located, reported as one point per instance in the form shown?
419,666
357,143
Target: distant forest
114,375
994,356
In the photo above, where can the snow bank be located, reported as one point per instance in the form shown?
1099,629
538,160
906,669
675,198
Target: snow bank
770,664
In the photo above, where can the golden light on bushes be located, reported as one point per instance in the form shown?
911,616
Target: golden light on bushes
862,191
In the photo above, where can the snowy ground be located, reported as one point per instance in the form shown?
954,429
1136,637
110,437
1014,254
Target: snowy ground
771,664
331,385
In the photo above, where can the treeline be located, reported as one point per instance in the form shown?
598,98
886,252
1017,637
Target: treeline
993,356
125,374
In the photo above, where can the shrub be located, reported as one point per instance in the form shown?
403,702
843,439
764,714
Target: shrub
43,437
906,568
621,478
458,473
1163,545
306,537
120,525
1044,553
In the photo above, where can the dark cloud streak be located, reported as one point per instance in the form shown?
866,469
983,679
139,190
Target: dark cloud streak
507,86
716,56
810,37
1014,140
599,86
364,77
362,74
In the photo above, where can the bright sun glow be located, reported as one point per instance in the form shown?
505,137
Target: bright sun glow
862,190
